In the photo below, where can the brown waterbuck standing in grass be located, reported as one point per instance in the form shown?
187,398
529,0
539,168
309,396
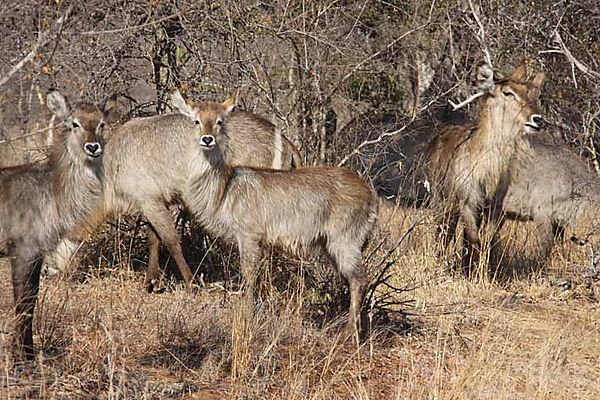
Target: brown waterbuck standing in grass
471,166
328,206
148,162
42,202
556,189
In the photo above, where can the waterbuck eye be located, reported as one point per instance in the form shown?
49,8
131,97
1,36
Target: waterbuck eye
219,121
197,122
509,93
101,125
76,125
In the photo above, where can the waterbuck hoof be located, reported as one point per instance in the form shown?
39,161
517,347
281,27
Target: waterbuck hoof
150,286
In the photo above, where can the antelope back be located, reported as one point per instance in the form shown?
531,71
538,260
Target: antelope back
556,185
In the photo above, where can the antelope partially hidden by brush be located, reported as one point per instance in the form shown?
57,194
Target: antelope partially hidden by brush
40,203
555,190
471,166
148,162
295,210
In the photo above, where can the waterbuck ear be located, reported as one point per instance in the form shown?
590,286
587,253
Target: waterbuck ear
521,71
181,105
109,108
538,79
230,104
537,82
58,104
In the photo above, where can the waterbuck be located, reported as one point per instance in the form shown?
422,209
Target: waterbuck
471,166
296,210
40,203
556,189
148,162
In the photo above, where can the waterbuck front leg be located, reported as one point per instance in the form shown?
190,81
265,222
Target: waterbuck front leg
153,271
471,240
161,222
26,269
250,257
446,229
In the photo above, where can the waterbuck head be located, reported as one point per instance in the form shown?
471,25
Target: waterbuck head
209,117
514,101
511,102
85,122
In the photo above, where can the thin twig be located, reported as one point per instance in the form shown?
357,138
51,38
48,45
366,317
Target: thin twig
134,28
481,35
43,39
25,135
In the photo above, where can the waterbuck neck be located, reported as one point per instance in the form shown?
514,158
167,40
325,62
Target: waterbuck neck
208,184
498,145
498,126
76,183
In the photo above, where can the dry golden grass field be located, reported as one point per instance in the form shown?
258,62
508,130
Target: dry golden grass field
529,333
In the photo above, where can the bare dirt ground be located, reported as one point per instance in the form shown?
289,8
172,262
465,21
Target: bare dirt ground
530,336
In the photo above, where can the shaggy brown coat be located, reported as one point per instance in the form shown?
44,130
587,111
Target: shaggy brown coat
295,210
40,203
471,166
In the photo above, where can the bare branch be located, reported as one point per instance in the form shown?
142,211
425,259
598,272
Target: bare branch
43,39
456,106
384,135
575,63
481,35
372,56
137,27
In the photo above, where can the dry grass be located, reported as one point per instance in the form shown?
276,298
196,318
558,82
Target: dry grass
523,338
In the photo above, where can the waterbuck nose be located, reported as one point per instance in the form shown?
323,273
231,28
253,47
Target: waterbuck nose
537,119
93,149
207,140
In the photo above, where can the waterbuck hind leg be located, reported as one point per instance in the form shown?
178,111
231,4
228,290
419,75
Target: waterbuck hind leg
26,282
153,271
347,256
159,217
546,236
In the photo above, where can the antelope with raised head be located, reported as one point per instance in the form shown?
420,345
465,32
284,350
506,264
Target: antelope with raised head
147,165
471,166
296,210
40,203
